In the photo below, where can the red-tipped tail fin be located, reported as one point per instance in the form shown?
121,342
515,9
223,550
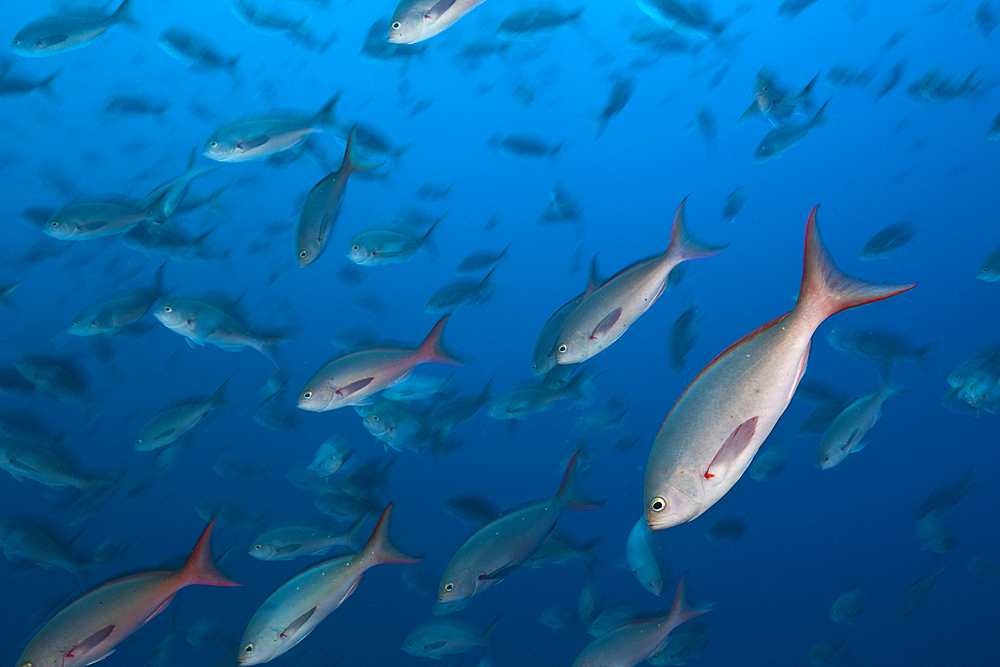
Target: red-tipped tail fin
200,568
827,288
379,549
680,611
432,348
570,494
682,246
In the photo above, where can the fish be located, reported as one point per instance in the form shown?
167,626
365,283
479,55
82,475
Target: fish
68,31
95,219
471,509
302,538
789,9
917,592
846,432
769,463
827,652
944,499
417,20
688,19
936,88
989,270
780,139
460,292
604,314
166,241
26,541
437,637
395,426
419,387
883,346
505,543
322,204
481,259
773,102
90,628
523,145
726,529
723,417
259,137
891,79
531,23
683,645
634,642
292,611
641,558
935,534
847,607
164,199
59,377
332,454
113,313
378,49
683,335
891,238
618,97
352,378
733,204
203,323
12,85
389,246
172,423
136,105
523,401
195,51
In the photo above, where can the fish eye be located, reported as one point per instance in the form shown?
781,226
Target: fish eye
215,144
307,395
258,547
54,223
248,648
396,25
449,587
168,309
374,418
355,247
658,504
563,349
303,254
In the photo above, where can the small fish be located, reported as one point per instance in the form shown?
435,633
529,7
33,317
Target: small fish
481,259
845,434
789,9
171,423
504,544
827,652
291,612
331,456
618,97
780,139
944,499
262,136
603,315
95,219
417,20
641,557
65,32
847,607
195,51
523,145
352,378
769,463
26,541
460,292
989,270
689,19
720,421
683,335
891,79
438,637
91,627
726,529
389,246
883,346
5,291
59,377
773,102
917,592
113,313
322,204
733,204
12,85
471,509
891,238
202,323
165,198
302,538
532,23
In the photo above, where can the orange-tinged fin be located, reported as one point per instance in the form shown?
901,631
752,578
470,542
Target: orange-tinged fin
568,491
605,325
91,642
432,348
731,449
352,161
163,605
682,245
380,549
294,626
827,287
200,568
680,610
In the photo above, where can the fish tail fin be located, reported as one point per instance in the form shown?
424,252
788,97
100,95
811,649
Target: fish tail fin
200,569
380,549
428,244
45,85
682,245
124,14
920,356
819,118
826,287
218,397
680,610
269,348
432,349
571,495
352,160
157,286
325,116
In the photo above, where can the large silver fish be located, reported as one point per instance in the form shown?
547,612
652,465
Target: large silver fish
171,423
66,32
115,312
417,20
724,416
291,612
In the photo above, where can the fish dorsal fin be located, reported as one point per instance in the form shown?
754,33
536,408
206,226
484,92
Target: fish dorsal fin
253,142
731,449
605,325
435,12
297,624
354,387
91,642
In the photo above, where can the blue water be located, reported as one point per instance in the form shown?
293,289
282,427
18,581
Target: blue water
811,533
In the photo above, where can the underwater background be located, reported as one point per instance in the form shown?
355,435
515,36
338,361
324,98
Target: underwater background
914,152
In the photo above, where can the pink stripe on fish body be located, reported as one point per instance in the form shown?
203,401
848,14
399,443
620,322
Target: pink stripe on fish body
706,442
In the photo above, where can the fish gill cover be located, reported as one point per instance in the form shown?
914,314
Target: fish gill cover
141,266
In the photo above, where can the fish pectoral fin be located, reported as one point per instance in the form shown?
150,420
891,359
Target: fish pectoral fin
605,325
499,573
253,142
91,642
731,449
165,433
849,444
287,548
435,12
434,646
297,624
354,387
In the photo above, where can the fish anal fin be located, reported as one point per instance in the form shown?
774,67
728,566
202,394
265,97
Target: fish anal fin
354,387
163,605
297,624
605,325
731,449
91,642
348,593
